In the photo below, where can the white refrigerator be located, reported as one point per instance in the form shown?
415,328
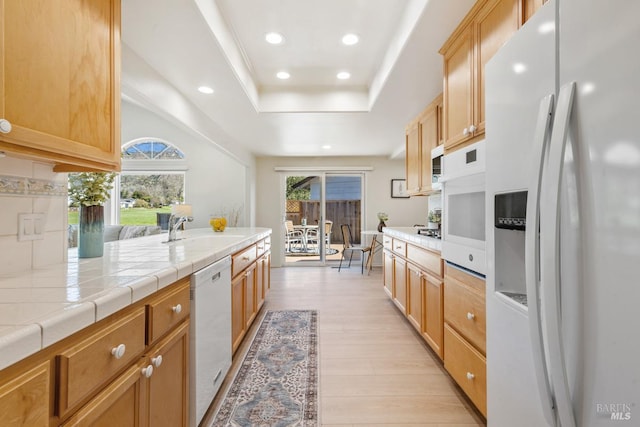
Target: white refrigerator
563,219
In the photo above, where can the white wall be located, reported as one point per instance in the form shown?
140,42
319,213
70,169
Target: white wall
402,212
214,180
16,198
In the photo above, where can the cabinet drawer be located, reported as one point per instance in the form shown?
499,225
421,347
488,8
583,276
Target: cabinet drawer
87,365
400,247
243,259
467,366
464,310
263,246
387,242
425,259
167,310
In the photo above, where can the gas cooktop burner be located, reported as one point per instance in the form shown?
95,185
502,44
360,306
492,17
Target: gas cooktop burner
429,232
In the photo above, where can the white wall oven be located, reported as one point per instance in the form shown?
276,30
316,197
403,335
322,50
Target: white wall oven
464,208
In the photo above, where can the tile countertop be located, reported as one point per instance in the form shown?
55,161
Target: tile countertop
410,234
40,307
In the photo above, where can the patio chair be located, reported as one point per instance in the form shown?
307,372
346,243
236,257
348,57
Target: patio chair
347,245
293,236
312,236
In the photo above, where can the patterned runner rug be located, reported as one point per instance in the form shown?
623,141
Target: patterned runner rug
277,384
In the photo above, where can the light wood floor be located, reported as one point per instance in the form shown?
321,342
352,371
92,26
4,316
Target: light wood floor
374,369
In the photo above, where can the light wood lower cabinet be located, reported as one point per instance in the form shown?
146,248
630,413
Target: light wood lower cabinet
129,369
168,386
400,283
250,284
465,334
413,280
24,400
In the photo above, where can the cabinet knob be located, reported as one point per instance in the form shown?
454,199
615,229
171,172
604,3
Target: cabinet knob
147,372
118,351
465,131
472,129
177,309
470,376
471,316
156,361
5,126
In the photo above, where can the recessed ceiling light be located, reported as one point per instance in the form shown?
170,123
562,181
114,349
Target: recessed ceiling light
205,89
326,147
274,38
350,39
343,75
283,75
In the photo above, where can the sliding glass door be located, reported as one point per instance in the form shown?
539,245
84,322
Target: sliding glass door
315,207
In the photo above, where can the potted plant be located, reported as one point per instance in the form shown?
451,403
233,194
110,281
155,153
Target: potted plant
382,217
89,191
434,219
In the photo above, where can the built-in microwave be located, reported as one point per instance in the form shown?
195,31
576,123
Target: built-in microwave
463,240
436,167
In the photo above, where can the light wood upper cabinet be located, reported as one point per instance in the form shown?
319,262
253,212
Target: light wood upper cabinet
531,7
423,134
60,82
487,26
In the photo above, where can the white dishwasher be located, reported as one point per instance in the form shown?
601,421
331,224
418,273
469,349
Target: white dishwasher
210,350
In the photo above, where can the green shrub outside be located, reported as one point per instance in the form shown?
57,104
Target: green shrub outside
131,216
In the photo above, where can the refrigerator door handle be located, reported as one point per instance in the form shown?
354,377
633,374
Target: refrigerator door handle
550,231
532,257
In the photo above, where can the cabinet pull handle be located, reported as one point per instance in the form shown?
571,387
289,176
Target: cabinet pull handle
177,309
5,126
471,316
245,258
156,361
147,372
470,376
118,351
472,129
398,247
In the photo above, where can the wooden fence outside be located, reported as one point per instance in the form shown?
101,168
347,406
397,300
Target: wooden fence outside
338,211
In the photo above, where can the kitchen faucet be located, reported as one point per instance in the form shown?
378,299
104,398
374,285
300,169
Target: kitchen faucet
176,221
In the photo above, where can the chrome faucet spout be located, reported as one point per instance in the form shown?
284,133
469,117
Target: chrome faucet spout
175,222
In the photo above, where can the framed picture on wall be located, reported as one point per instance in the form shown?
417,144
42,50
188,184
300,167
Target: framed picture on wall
399,189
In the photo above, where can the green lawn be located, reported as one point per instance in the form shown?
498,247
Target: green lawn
131,216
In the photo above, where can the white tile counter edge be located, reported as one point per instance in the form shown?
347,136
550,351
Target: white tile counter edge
410,234
128,271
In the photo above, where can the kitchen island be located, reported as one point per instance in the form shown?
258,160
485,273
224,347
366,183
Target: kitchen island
79,337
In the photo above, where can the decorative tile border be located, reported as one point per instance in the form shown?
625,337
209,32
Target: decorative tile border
20,186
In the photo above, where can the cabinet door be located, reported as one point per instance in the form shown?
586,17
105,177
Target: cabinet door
429,134
531,7
260,282
412,158
494,25
59,81
168,386
434,313
120,404
414,306
388,272
24,401
458,100
249,296
400,283
237,311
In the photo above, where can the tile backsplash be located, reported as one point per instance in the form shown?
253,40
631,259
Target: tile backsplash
31,187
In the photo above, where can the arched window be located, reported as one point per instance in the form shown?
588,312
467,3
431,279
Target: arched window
152,178
151,149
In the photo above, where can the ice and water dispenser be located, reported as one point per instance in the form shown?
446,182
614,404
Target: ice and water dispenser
509,227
